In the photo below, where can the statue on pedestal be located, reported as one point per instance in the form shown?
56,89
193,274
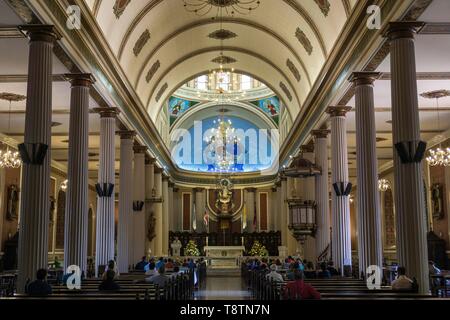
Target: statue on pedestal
176,247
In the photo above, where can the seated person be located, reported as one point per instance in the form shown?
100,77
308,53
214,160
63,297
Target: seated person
290,274
111,266
159,279
310,271
402,282
160,263
273,275
151,269
298,289
324,273
141,264
109,284
169,265
39,287
332,269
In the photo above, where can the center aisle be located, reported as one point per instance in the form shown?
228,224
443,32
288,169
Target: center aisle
223,288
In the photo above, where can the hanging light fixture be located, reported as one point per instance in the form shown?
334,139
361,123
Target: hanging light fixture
438,156
64,185
383,185
8,158
231,7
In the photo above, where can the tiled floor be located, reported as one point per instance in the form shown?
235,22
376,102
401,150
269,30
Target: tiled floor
223,288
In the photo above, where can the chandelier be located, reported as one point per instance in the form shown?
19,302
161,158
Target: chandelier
438,156
383,185
8,158
231,7
64,185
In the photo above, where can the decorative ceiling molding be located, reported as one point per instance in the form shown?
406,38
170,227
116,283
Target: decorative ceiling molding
324,6
96,7
199,23
10,32
224,60
141,42
347,7
422,76
119,7
286,90
17,78
161,91
293,69
436,28
154,68
301,36
222,34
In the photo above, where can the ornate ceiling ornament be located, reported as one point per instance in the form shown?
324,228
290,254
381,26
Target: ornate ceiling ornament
222,34
301,36
324,6
161,91
224,60
286,90
119,7
293,69
141,42
230,7
12,96
154,68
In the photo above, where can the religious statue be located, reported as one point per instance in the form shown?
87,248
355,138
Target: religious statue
13,198
176,247
223,202
436,196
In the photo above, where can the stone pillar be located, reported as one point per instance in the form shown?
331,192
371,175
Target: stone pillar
283,213
166,200
104,248
35,199
125,225
322,194
158,212
251,209
273,209
149,206
199,209
138,242
341,238
177,209
77,202
408,154
171,207
368,200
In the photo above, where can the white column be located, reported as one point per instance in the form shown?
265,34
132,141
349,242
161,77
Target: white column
77,202
165,195
199,209
283,213
322,194
139,203
125,225
149,187
342,254
368,200
171,207
104,248
158,212
409,195
250,202
35,199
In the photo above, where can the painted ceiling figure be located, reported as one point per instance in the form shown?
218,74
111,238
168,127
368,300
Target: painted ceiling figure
271,107
176,108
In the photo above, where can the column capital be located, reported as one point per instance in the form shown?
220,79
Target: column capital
126,134
363,78
140,149
150,160
198,189
165,177
171,184
250,189
107,112
307,148
80,79
338,111
320,133
159,170
40,32
402,29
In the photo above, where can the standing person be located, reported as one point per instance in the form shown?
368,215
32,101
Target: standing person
298,289
40,286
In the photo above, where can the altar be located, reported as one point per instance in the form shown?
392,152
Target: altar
224,256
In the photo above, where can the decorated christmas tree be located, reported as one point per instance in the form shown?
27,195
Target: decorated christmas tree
258,250
191,249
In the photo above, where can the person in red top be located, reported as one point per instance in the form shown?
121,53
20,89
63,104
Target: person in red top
298,289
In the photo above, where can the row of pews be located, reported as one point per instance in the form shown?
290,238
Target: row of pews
336,288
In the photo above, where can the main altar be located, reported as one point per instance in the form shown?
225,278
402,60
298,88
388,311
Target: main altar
224,256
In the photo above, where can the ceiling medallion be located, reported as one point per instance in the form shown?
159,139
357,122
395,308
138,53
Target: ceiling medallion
222,34
324,6
223,60
140,43
119,7
293,69
231,7
301,36
286,91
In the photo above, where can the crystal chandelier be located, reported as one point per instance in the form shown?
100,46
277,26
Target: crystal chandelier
438,156
231,7
383,185
8,158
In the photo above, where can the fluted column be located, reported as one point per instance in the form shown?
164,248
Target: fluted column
125,225
35,199
171,207
149,207
104,248
77,202
283,213
408,154
165,195
199,209
340,205
139,203
322,194
177,209
368,200
250,202
158,212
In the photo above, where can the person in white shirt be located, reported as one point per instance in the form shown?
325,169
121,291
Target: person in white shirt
273,275
402,282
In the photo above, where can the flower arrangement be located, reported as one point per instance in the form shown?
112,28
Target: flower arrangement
191,249
258,250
